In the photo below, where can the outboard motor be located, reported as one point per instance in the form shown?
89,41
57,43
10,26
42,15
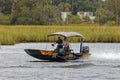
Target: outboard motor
85,49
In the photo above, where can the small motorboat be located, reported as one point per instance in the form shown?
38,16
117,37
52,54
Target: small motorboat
61,56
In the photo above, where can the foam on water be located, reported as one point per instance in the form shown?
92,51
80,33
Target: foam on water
109,56
108,51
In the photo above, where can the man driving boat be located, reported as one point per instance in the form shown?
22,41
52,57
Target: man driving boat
59,45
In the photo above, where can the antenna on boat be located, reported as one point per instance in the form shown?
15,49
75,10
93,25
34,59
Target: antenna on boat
47,44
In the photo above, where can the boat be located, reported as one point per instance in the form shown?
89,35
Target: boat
61,56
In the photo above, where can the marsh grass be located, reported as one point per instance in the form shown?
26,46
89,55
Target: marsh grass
92,33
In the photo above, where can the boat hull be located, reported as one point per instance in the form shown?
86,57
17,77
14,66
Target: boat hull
52,56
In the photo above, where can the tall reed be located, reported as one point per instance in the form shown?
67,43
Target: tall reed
92,33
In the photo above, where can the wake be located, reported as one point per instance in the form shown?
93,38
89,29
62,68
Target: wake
105,55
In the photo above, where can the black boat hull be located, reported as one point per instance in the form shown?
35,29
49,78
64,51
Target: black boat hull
52,56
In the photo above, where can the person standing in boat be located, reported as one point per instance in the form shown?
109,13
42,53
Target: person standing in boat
59,44
66,44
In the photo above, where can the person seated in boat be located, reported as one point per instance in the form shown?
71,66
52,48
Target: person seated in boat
59,45
66,45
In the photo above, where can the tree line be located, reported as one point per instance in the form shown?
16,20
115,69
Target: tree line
48,12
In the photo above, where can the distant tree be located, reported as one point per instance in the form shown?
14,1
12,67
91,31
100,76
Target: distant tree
49,11
101,16
64,7
5,6
86,5
35,12
13,9
80,5
113,8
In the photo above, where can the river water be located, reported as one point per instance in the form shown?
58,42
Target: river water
104,64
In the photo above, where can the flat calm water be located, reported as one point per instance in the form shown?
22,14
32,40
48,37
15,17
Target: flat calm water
104,64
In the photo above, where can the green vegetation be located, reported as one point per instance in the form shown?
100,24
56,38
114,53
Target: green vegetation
48,12
93,33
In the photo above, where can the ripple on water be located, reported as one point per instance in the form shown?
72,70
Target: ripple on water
78,65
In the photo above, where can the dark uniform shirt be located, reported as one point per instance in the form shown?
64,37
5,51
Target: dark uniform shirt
60,43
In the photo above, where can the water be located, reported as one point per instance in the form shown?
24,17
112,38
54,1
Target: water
104,64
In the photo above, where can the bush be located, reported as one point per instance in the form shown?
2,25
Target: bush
73,19
4,19
86,18
57,21
24,20
13,19
111,23
27,20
